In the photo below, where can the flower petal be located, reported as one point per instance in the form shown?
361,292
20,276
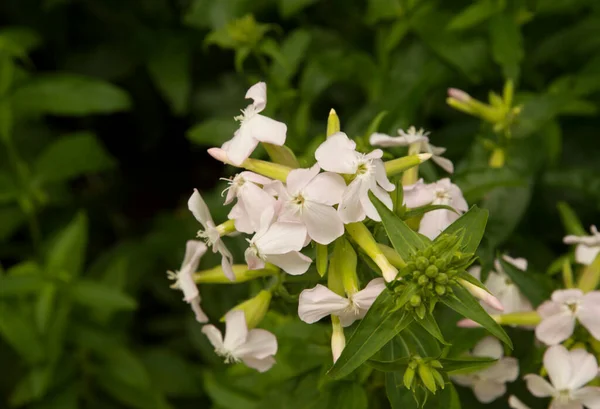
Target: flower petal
488,391
259,344
236,330
538,386
254,262
261,365
588,313
515,403
381,176
293,263
367,296
200,315
199,209
586,255
569,296
443,163
258,93
418,194
380,139
584,368
557,362
435,222
241,219
322,222
337,154
265,129
282,237
241,146
350,208
550,308
589,396
463,380
489,347
505,370
298,179
226,260
326,188
319,302
194,250
556,328
369,207
214,336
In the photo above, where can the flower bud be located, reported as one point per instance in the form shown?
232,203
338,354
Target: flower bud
422,263
481,294
269,169
423,280
421,311
363,237
440,290
459,95
426,375
409,377
396,166
226,228
333,123
431,271
415,300
441,278
255,308
338,340
216,275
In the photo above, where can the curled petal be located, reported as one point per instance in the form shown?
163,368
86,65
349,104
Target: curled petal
240,147
214,336
293,263
443,163
258,93
259,344
199,209
319,302
381,176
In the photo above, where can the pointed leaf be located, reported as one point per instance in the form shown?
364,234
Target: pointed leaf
399,365
473,222
464,365
101,296
403,238
430,325
468,306
536,287
67,253
419,211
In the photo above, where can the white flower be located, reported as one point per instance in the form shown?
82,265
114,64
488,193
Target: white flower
409,137
255,348
515,403
489,383
588,247
320,301
254,127
308,198
338,154
560,313
568,371
442,192
211,234
278,243
184,280
503,288
251,200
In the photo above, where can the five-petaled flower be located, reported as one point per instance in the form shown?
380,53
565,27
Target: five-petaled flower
338,154
255,347
588,247
251,200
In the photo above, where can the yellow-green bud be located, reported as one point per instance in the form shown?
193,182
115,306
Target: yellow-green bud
422,263
423,280
338,340
440,289
409,376
438,378
333,123
427,377
415,300
226,228
255,308
215,275
396,166
322,254
441,278
421,311
363,237
431,271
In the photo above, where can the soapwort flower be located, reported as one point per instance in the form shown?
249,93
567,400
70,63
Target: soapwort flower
338,154
490,383
588,247
320,301
308,197
252,200
184,280
560,313
255,347
278,243
413,136
254,127
210,233
568,371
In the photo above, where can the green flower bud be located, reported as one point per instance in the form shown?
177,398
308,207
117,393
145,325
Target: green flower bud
423,280
426,375
440,289
421,311
409,377
440,264
416,274
431,271
430,286
432,259
438,378
428,252
442,278
415,300
255,308
422,263
436,364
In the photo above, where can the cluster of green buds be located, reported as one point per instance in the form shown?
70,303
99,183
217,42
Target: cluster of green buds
423,373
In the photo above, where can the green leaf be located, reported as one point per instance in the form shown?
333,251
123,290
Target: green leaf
397,365
18,41
399,397
383,9
570,220
123,365
212,132
281,154
224,394
100,296
69,95
66,253
474,14
430,325
169,66
419,211
477,183
32,387
403,238
505,219
374,331
468,306
171,373
536,287
348,395
507,44
8,189
71,156
20,333
463,365
135,397
374,125
19,285
288,8
473,222
293,49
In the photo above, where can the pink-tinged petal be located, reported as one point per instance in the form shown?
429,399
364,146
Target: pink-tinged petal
337,154
569,296
482,295
259,345
293,263
281,238
556,328
236,330
505,370
418,194
213,335
557,362
326,188
588,313
589,396
538,386
350,208
584,368
254,262
515,403
261,365
255,178
219,154
226,260
319,302
298,179
386,141
586,255
443,163
241,146
381,176
488,391
255,200
258,93
199,314
241,220
322,222
199,209
265,129
467,323
551,308
489,347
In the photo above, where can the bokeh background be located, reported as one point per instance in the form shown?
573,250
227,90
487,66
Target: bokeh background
107,108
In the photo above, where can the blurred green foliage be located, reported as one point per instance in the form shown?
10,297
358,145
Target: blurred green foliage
106,108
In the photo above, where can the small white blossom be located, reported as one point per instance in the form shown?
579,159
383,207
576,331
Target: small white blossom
254,127
568,371
588,247
410,136
278,243
308,198
442,192
565,308
338,154
210,233
320,301
184,279
490,383
255,348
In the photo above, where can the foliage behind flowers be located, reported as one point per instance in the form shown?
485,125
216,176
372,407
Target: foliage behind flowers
95,172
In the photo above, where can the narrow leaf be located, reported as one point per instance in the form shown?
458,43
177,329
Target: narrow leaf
399,365
67,252
100,296
462,365
419,211
430,325
473,222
